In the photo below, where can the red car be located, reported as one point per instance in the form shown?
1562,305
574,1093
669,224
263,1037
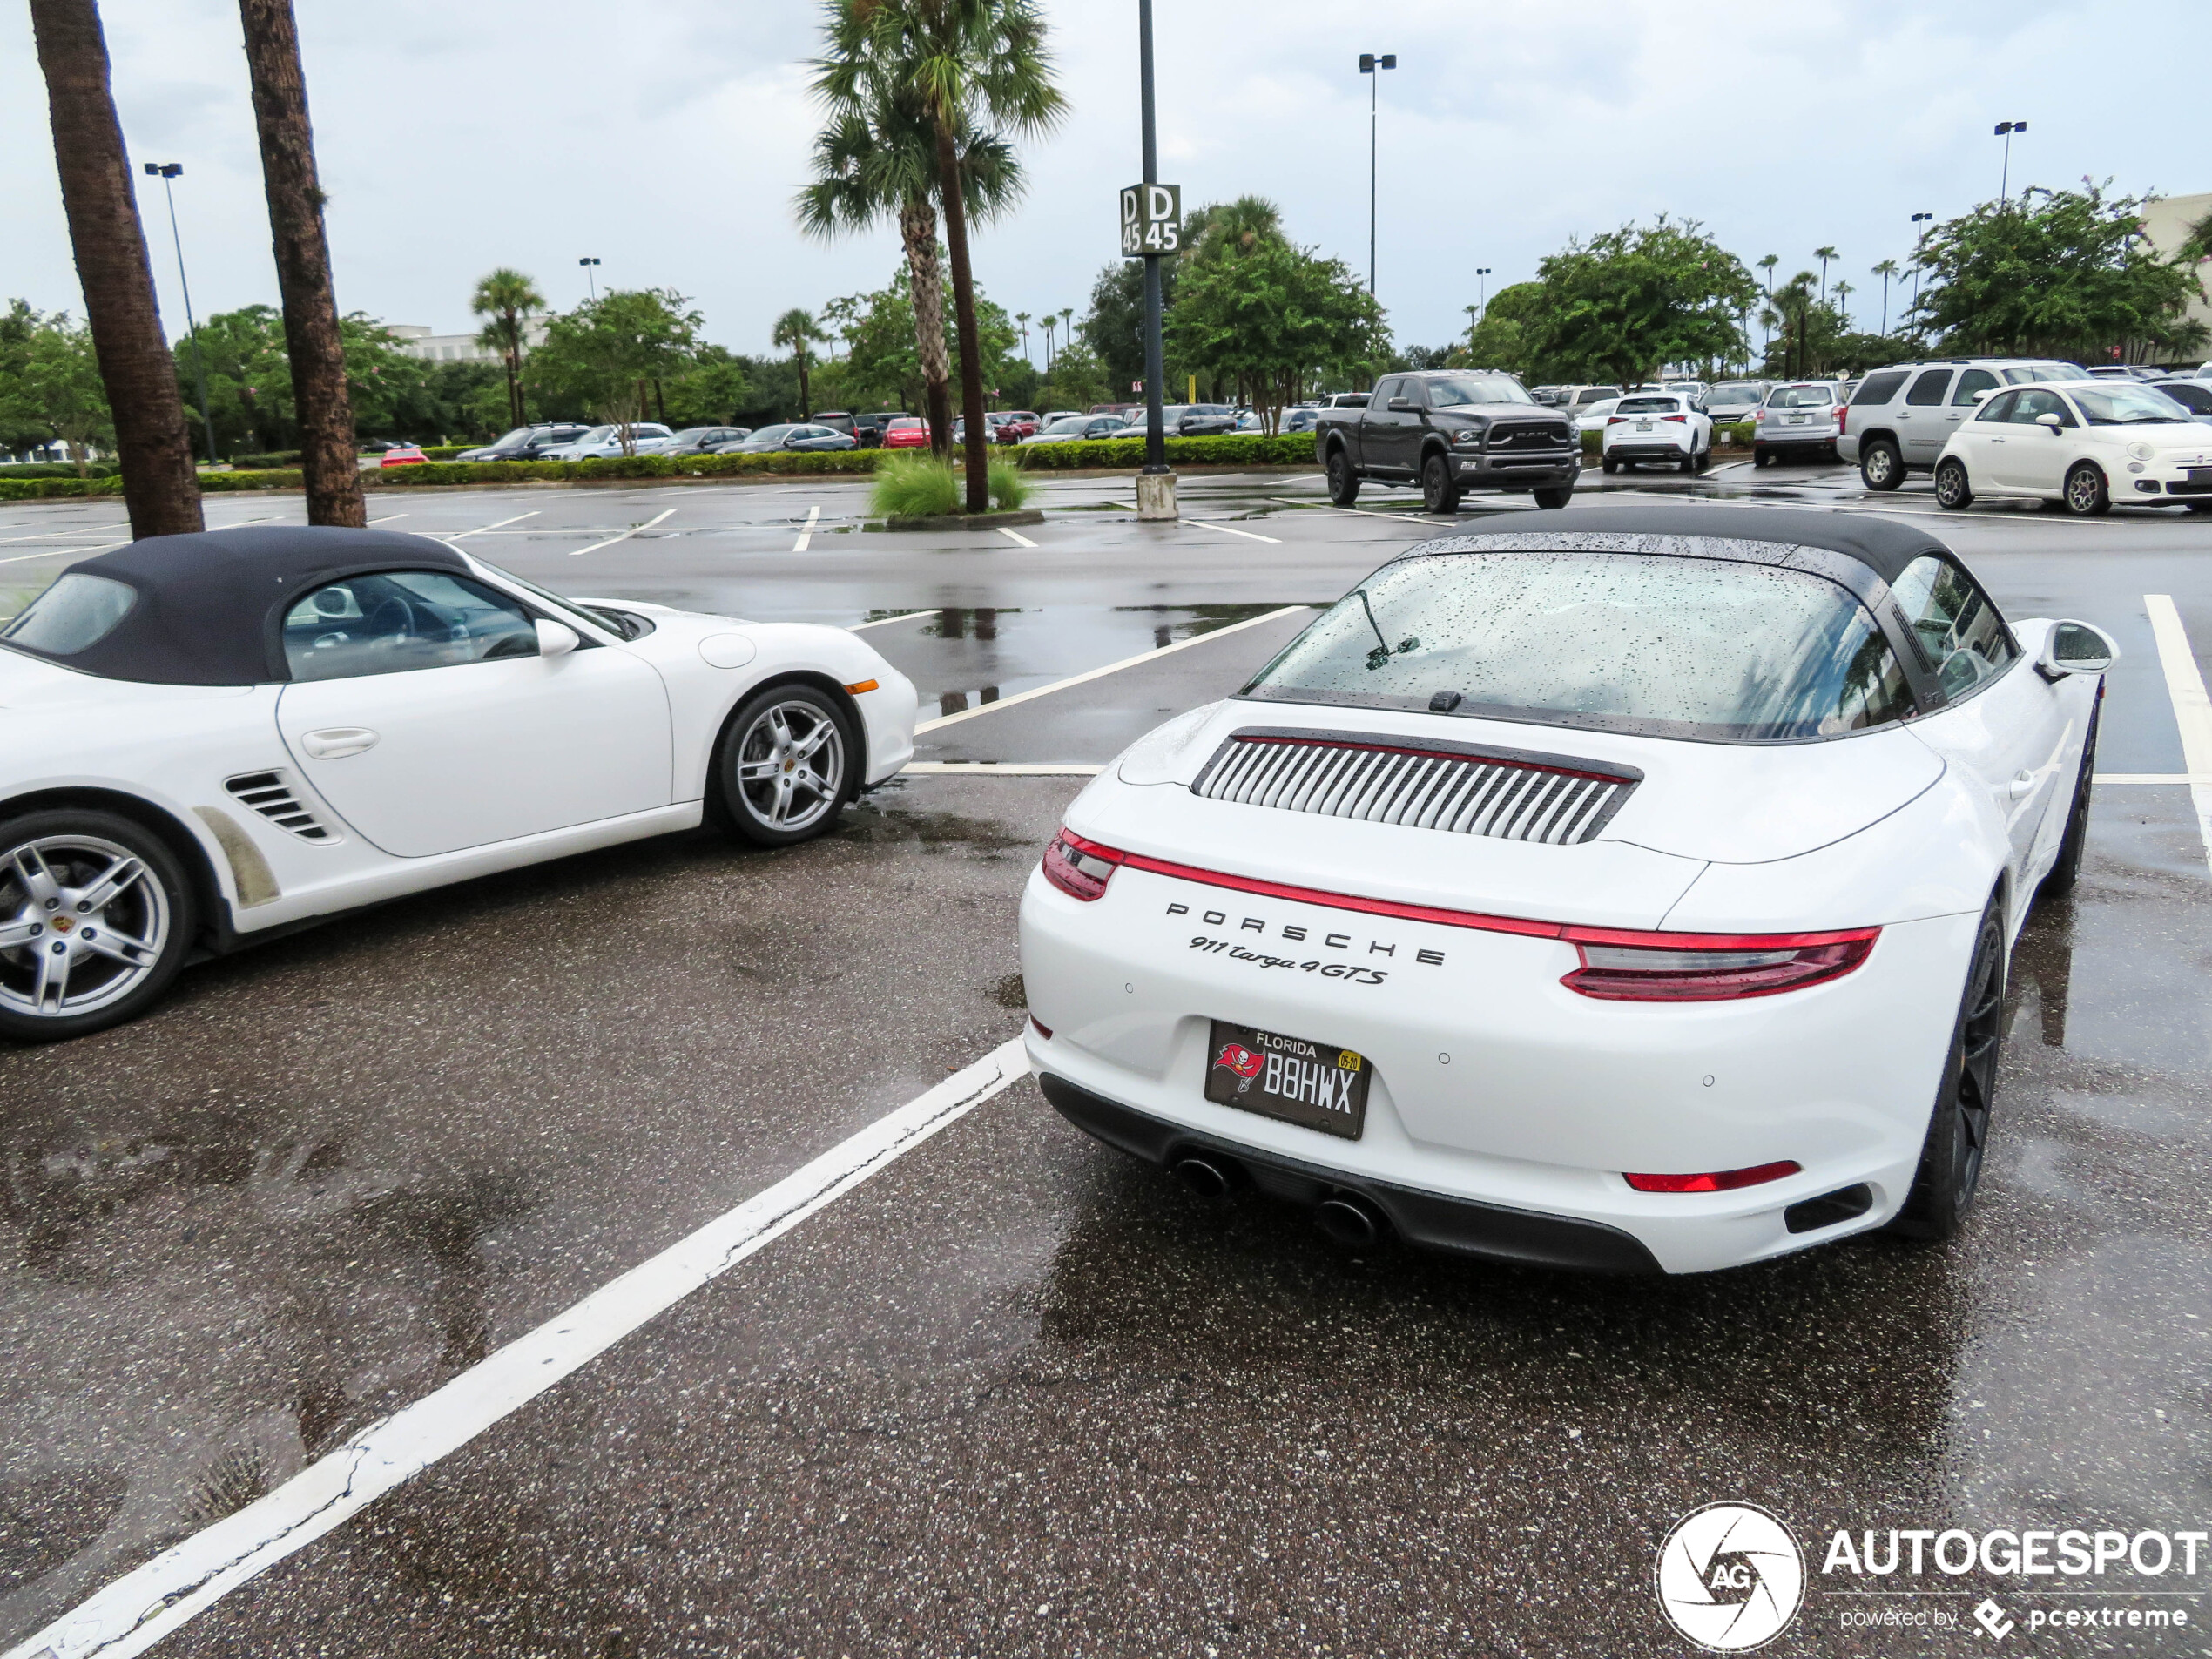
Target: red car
907,432
406,454
1013,425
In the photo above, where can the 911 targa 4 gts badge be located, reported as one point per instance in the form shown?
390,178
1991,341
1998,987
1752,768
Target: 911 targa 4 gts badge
1299,936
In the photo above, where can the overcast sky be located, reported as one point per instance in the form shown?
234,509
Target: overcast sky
668,139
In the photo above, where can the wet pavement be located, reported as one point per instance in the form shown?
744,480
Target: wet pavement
1016,1394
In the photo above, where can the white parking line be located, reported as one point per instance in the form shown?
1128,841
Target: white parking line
579,552
82,529
63,552
387,518
1358,512
1110,668
139,1609
1204,524
2192,709
485,530
806,533
1015,536
877,622
1003,768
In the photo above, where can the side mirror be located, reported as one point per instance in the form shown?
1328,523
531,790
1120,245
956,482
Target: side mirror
1401,406
2050,423
556,638
2075,648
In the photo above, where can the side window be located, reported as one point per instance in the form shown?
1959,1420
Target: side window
2036,402
1879,389
1929,388
1965,640
1974,380
1999,409
396,621
1380,400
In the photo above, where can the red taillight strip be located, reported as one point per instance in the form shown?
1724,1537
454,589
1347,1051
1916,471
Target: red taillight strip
1572,931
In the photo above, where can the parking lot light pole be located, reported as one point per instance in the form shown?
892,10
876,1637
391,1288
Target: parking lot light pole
1920,240
1156,483
1482,290
165,171
2004,130
590,275
1371,65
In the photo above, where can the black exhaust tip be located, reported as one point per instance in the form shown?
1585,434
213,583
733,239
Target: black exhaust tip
1209,1177
1845,1203
1349,1221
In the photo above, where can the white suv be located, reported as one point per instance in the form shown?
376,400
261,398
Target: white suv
1657,426
1901,416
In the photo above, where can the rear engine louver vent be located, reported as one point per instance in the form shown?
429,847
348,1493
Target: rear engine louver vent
1423,785
270,794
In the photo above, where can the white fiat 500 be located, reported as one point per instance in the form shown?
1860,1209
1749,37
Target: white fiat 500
1635,896
2087,444
206,740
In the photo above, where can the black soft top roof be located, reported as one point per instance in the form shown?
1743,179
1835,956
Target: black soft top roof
210,606
1882,545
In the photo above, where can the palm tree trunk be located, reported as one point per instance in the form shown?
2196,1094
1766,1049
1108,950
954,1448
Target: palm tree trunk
806,395
971,350
160,489
514,355
311,335
917,230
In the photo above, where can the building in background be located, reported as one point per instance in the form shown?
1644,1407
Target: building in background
418,342
2167,221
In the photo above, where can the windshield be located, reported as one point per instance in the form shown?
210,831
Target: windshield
2128,406
1800,397
1072,424
769,433
597,435
78,611
1592,411
1733,393
2188,395
1707,649
520,434
1649,406
1487,388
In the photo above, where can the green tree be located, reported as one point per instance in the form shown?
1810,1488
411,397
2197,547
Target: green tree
1824,255
1628,301
1501,336
794,330
1077,382
709,389
604,354
508,299
971,62
1271,316
49,384
2063,273
1114,327
1886,270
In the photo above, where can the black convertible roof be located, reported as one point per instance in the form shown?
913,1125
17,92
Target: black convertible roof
1882,545
210,606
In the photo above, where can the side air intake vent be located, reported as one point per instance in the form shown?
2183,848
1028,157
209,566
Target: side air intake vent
1425,784
270,794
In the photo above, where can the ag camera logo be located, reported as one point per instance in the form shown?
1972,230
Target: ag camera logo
1730,1577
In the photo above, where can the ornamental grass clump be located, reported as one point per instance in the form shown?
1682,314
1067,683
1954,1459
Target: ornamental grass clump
1009,489
916,486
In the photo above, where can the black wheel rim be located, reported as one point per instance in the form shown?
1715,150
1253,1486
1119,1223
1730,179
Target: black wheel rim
1981,1036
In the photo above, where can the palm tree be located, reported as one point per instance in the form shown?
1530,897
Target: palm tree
793,331
968,62
1066,326
1021,321
509,300
875,158
160,489
1051,322
1823,254
312,340
1767,265
1886,270
1843,301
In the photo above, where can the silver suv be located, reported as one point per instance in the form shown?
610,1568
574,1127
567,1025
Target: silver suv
1901,416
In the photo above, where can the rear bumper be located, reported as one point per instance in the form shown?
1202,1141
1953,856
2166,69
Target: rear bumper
1431,1220
1649,450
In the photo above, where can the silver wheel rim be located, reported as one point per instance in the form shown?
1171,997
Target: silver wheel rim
2081,490
1950,485
83,923
1877,466
790,766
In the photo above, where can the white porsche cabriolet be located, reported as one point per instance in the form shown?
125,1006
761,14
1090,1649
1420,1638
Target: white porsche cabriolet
204,739
1632,896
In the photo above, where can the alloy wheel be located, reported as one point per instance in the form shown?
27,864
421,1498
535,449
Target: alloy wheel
2085,491
83,923
790,765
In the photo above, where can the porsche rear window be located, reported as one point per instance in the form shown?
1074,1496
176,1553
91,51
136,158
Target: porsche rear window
78,611
1705,649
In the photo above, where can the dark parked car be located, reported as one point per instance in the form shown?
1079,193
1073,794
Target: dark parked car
705,440
1196,420
2195,396
802,435
837,421
869,429
527,442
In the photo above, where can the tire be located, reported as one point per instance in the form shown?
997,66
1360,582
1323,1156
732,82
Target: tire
1555,497
1439,484
1880,466
2199,506
1704,461
1760,455
2067,868
2087,494
1609,465
1954,492
1951,1157
116,955
770,786
1343,482
1689,464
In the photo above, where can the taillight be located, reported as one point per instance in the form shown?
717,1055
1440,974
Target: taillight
1615,420
1624,967
1719,1181
1843,419
1677,419
1757,416
1079,868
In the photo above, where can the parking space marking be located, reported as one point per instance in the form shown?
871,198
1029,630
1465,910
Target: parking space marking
805,531
1004,768
82,529
1015,536
2192,709
62,552
1249,536
1110,668
387,518
877,622
131,1614
486,530
579,552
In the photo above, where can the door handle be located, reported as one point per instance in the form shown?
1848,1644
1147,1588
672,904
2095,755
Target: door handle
2023,783
335,742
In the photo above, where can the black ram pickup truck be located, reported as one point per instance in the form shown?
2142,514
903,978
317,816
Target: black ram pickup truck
1454,430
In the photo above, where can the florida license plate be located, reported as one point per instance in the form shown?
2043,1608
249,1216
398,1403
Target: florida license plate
1643,425
1312,1084
1793,419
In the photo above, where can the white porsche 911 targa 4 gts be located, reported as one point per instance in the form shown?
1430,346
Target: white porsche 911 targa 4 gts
207,738
1634,895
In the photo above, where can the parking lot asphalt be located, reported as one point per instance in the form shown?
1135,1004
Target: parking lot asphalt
1013,1393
